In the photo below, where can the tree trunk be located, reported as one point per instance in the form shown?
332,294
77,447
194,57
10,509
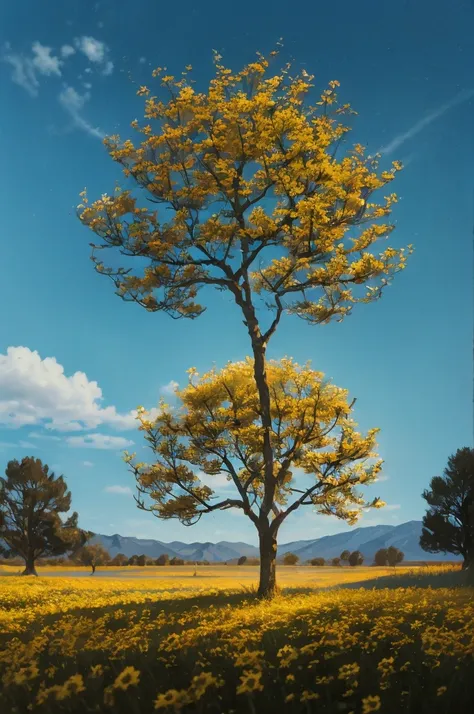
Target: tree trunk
93,568
268,552
30,566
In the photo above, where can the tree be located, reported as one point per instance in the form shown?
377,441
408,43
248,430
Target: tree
141,560
381,557
242,560
356,558
290,559
163,559
394,556
318,561
345,556
133,560
31,499
176,561
336,562
293,227
448,525
119,559
92,555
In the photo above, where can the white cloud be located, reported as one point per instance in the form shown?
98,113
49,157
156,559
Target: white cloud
26,69
87,85
37,391
73,103
419,125
125,490
67,51
23,73
108,68
93,49
7,445
142,60
27,445
89,464
49,437
44,61
170,388
99,441
392,507
382,477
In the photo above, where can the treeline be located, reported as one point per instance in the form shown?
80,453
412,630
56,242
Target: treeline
384,557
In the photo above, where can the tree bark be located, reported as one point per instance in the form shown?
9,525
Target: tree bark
268,552
30,566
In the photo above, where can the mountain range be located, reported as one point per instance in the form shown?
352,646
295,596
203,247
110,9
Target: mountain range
368,540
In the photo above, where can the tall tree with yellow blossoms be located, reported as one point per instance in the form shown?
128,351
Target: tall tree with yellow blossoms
251,197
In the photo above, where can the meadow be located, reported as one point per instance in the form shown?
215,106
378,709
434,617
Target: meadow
350,640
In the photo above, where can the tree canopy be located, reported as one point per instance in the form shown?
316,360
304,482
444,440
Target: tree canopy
448,525
246,168
218,430
31,499
94,554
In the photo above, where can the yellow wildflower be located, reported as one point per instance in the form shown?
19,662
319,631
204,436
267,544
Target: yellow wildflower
371,704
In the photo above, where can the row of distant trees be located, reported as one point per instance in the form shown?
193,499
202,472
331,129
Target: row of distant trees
385,556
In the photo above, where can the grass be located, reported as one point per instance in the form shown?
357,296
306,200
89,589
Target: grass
160,639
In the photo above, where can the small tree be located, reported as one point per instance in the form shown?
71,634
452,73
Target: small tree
448,525
381,557
394,556
133,560
176,561
141,560
242,560
293,226
92,555
318,561
119,559
163,559
345,556
31,499
336,562
356,558
290,559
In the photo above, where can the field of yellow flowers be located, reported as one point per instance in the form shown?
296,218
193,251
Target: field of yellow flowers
333,641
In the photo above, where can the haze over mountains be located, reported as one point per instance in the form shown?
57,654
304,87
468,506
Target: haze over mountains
368,540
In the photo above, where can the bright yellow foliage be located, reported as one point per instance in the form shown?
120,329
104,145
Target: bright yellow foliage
247,165
218,430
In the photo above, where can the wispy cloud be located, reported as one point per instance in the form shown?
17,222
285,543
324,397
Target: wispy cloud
67,51
96,52
23,72
99,441
44,61
170,388
123,490
88,464
73,103
400,139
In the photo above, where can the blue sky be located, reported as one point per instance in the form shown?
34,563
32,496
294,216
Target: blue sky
71,351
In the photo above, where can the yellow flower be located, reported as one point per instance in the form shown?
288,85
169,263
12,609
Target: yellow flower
441,691
347,671
127,678
171,698
97,670
250,682
371,704
143,91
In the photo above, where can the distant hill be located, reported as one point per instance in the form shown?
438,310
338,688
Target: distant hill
368,540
